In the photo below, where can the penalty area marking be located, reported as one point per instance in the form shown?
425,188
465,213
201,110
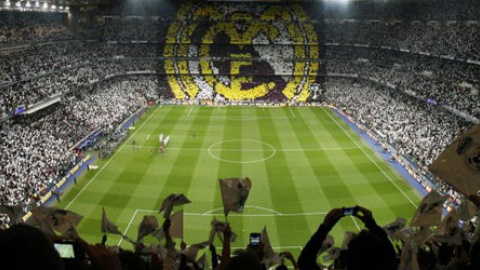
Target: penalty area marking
211,214
108,162
369,157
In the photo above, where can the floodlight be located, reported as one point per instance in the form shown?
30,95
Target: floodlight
18,4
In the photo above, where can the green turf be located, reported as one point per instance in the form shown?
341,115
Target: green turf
302,161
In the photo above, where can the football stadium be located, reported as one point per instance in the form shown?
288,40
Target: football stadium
240,134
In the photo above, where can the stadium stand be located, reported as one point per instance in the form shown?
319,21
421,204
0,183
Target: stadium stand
37,148
412,76
20,27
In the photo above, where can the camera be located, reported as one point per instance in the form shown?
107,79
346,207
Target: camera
255,239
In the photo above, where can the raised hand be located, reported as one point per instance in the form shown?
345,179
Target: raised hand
333,217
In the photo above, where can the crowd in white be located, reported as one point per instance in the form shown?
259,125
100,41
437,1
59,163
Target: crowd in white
457,39
32,91
36,148
127,30
19,27
30,147
418,130
451,83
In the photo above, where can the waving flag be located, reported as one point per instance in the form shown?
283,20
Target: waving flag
171,201
459,164
234,193
107,225
58,219
429,213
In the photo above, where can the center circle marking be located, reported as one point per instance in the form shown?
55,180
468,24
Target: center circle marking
213,155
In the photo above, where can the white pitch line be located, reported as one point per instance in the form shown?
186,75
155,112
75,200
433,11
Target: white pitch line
241,119
189,112
255,150
128,226
356,224
246,206
374,162
291,111
108,162
210,214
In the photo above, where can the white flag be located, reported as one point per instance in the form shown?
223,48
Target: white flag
166,141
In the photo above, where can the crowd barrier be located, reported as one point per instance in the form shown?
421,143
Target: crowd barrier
62,183
130,120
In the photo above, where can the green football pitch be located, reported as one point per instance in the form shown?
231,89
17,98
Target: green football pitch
302,162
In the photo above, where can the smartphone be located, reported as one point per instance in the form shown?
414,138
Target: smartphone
349,211
255,239
66,250
70,251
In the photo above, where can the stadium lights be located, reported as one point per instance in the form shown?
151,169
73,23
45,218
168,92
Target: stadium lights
18,4
67,8
7,3
28,4
37,4
60,7
53,7
45,5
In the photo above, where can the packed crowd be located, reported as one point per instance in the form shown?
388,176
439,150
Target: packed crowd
435,37
33,90
37,149
456,37
418,130
283,47
46,58
144,29
446,82
27,27
426,10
